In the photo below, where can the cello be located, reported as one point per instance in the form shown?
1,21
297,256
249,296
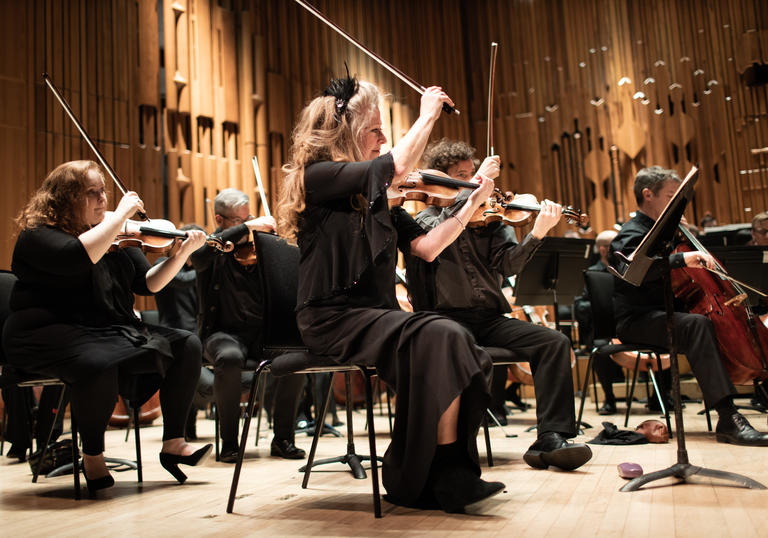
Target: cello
742,338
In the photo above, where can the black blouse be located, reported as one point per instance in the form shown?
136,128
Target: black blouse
348,256
55,273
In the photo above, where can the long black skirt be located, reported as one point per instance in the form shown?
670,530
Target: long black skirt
427,359
35,341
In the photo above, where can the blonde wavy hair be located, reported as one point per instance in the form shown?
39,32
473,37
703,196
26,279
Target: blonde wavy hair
320,136
60,200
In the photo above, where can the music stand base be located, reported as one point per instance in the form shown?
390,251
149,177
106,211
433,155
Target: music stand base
353,460
683,471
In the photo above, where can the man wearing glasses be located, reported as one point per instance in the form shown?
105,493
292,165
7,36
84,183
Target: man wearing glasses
230,322
760,229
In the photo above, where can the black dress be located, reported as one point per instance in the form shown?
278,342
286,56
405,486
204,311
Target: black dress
348,311
72,318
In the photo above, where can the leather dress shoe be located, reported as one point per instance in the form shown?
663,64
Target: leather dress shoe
229,452
737,430
608,408
283,448
551,448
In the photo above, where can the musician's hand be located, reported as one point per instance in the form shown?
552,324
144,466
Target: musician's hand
547,218
483,192
490,167
262,224
432,102
129,204
699,259
195,239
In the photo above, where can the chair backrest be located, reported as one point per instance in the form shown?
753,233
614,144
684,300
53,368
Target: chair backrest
7,281
278,269
600,290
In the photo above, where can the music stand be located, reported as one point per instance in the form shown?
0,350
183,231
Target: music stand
656,247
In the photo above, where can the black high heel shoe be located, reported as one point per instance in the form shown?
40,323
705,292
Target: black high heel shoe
98,483
170,462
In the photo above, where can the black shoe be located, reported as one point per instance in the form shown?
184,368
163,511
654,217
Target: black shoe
456,487
96,484
608,408
551,448
17,452
170,462
736,429
229,456
283,448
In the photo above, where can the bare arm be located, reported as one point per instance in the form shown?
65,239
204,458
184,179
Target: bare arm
429,246
161,274
99,239
408,149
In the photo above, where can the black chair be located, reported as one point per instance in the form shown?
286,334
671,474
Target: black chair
14,376
284,353
500,357
600,289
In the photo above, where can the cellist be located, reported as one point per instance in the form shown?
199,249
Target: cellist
641,318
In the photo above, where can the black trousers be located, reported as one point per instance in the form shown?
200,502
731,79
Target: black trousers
549,353
94,397
694,336
229,353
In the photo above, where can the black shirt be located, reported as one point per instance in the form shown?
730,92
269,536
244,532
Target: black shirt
470,271
229,293
56,274
177,301
348,256
629,300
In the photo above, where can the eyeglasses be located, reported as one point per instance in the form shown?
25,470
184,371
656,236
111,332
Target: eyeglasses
237,220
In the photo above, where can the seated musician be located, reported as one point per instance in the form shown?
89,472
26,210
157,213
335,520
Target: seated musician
335,204
467,288
641,318
72,312
607,371
230,321
760,229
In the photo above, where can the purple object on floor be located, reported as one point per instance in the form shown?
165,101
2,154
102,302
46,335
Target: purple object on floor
630,470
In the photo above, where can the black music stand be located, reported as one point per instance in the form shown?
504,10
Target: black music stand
656,247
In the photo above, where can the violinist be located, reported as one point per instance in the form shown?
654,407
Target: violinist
334,203
230,321
641,318
466,286
760,229
72,312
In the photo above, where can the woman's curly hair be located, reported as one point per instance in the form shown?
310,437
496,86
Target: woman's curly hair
60,200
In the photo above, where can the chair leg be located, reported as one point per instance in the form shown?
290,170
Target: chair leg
488,451
632,391
36,472
137,440
372,443
658,395
594,389
319,422
75,457
262,388
389,409
244,436
585,388
709,418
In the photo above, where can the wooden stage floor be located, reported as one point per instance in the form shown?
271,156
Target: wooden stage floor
586,502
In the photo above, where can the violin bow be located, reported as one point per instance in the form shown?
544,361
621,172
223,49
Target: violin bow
375,57
491,83
262,194
110,171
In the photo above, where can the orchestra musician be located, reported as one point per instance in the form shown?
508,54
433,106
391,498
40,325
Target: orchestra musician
641,318
334,203
230,322
72,312
465,284
760,229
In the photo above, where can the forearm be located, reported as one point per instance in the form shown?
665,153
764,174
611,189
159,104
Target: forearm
161,274
408,150
429,246
98,240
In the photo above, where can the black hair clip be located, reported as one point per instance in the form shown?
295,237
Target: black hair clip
343,89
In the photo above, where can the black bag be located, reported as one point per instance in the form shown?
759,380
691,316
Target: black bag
58,454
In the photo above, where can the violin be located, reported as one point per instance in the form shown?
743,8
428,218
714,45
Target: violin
158,236
432,187
518,210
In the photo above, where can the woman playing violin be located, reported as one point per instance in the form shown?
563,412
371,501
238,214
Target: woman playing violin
72,312
334,202
466,286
